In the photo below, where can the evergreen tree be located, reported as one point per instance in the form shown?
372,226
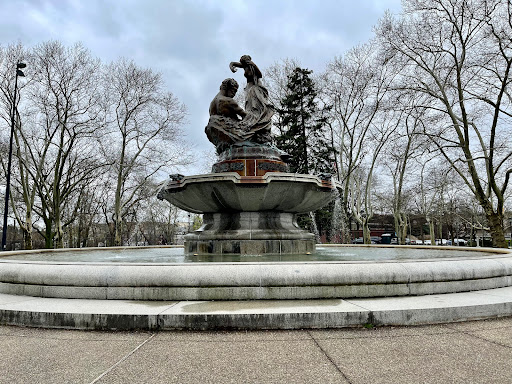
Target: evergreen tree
304,137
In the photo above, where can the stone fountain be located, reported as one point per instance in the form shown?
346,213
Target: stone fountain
250,200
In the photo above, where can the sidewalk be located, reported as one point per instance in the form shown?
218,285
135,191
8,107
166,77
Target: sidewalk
475,352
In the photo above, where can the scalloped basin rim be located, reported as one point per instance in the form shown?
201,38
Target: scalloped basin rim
267,178
230,192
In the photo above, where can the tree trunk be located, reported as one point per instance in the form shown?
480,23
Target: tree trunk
403,234
366,231
27,232
85,237
495,221
314,227
345,228
48,237
117,233
400,227
59,233
431,227
27,240
440,224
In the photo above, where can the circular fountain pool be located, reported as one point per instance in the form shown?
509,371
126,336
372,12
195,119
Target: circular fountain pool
165,273
176,255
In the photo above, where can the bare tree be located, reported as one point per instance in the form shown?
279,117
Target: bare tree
457,54
404,146
361,192
88,213
434,180
357,86
161,222
63,156
24,191
145,124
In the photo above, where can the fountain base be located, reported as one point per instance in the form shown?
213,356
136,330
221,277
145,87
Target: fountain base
250,233
249,215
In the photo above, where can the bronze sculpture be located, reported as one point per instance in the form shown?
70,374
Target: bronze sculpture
250,199
225,128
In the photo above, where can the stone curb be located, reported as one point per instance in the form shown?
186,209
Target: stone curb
258,314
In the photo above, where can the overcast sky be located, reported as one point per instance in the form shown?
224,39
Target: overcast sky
191,42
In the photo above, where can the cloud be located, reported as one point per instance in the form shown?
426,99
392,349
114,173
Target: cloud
191,42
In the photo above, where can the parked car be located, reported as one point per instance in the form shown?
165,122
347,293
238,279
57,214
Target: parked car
388,238
460,242
374,240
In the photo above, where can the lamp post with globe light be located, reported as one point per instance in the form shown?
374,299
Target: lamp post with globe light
19,72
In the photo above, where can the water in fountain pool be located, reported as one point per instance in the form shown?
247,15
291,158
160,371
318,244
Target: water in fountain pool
176,255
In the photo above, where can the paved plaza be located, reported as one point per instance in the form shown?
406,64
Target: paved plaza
468,352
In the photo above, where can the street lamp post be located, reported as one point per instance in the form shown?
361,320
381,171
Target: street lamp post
510,229
19,72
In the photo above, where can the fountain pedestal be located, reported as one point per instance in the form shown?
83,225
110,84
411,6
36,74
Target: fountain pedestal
250,233
250,203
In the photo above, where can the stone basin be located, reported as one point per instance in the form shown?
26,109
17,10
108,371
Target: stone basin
462,270
249,215
230,192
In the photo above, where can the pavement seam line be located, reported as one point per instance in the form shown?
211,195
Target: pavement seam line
123,359
358,305
329,358
327,338
467,333
168,307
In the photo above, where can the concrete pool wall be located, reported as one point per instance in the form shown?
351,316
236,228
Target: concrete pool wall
471,271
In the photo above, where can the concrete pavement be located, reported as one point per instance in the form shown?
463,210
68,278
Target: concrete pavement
468,352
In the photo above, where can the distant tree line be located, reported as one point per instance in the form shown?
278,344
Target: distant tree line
89,140
415,121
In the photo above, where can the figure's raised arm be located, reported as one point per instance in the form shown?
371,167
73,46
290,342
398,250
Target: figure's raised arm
234,65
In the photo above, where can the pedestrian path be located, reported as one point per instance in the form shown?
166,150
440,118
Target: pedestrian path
467,352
